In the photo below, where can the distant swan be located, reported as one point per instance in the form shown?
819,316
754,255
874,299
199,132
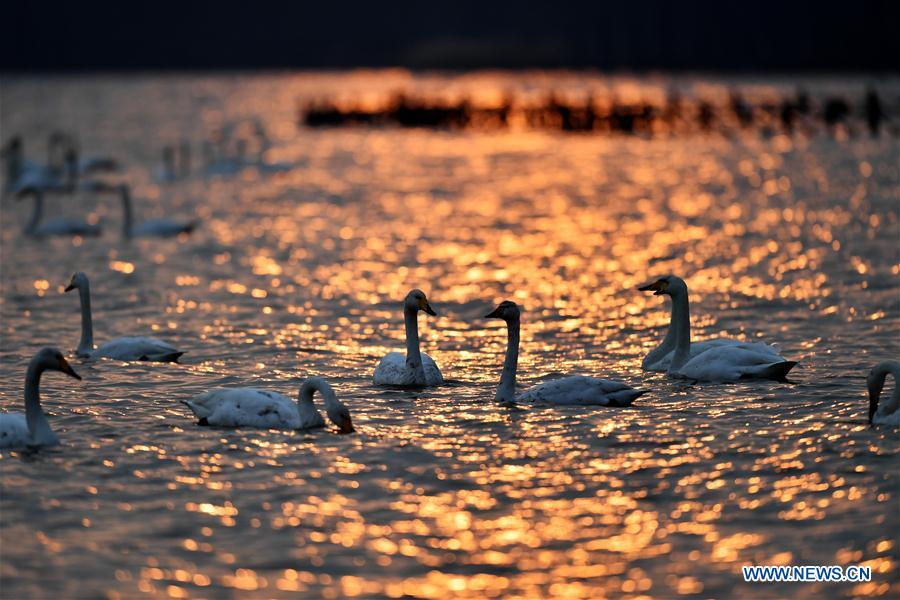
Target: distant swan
57,226
575,389
32,429
22,174
888,413
151,227
262,409
415,369
123,348
715,360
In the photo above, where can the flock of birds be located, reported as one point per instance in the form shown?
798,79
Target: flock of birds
718,360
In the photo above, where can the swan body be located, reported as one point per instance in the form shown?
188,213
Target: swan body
888,412
123,348
22,174
19,430
59,226
577,390
722,360
416,368
262,409
662,363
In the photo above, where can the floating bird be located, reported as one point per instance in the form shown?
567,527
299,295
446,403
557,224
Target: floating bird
888,413
416,369
262,409
715,360
22,174
123,348
575,389
32,429
57,226
151,227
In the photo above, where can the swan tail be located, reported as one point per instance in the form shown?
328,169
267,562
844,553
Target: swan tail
625,397
167,357
777,371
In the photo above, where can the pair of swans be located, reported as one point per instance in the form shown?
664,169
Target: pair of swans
718,360
418,369
61,173
123,348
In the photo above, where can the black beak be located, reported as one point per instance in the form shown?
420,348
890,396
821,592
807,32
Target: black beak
67,369
428,310
654,287
70,287
873,406
494,314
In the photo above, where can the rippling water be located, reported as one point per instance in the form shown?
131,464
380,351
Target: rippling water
441,493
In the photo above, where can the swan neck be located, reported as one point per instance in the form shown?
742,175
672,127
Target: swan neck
313,385
86,345
127,212
506,391
34,414
413,354
876,385
680,328
37,212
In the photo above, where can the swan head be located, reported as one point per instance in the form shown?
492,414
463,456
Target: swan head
339,414
416,301
669,285
79,281
52,359
506,310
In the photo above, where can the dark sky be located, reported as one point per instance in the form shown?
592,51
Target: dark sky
718,35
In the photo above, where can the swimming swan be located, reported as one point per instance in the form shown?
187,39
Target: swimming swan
252,407
716,360
150,227
888,413
416,369
123,348
58,226
575,389
32,429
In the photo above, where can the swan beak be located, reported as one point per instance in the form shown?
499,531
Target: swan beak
67,369
659,287
346,425
70,287
494,314
423,305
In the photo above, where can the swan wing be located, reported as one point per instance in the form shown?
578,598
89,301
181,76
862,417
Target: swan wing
887,419
581,390
138,348
250,407
698,348
735,362
14,431
392,370
432,372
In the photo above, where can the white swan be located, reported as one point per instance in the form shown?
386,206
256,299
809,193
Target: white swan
415,369
123,348
149,228
57,226
252,407
888,413
32,429
575,389
716,360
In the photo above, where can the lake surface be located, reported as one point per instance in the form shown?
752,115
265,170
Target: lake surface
441,493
